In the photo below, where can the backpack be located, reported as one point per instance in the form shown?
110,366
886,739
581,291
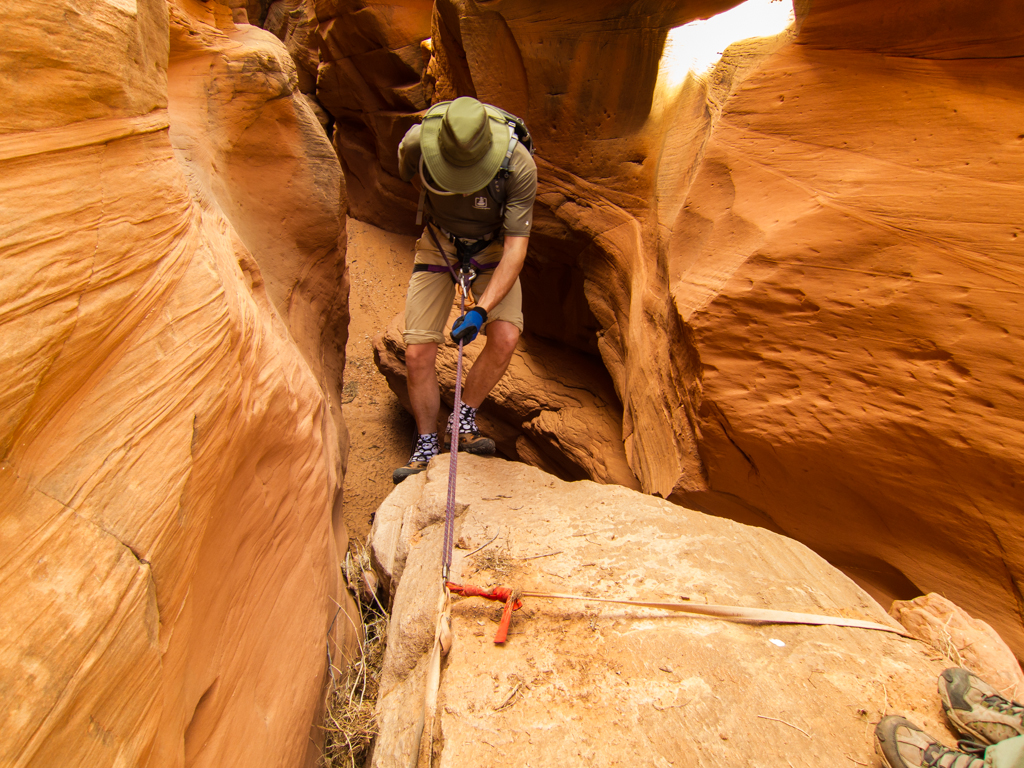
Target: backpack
518,134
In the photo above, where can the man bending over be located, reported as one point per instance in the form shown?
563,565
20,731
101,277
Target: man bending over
480,182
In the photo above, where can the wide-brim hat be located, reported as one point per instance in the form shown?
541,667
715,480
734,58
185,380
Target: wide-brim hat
463,144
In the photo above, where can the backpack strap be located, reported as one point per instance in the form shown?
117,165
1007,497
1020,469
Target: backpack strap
513,139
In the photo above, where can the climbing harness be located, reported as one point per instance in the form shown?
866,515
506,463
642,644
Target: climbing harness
465,249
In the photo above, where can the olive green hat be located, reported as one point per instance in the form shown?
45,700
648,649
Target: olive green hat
463,143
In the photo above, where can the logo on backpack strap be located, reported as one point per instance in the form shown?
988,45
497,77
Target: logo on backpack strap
480,201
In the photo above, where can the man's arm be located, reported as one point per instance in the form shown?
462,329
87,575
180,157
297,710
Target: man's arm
512,259
409,154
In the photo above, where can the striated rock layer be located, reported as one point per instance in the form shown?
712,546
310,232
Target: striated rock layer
802,267
170,451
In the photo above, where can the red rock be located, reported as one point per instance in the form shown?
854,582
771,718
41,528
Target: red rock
803,266
965,641
169,461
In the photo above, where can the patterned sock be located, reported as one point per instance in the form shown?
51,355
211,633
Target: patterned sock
467,418
426,448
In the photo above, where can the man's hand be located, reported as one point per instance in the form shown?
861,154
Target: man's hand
468,326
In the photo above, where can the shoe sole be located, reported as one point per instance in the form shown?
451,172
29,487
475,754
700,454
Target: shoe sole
402,473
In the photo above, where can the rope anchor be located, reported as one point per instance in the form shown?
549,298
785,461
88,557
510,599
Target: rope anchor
510,597
513,602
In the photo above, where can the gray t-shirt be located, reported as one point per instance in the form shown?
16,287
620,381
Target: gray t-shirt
478,214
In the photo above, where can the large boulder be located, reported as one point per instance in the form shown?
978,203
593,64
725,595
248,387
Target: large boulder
169,461
593,683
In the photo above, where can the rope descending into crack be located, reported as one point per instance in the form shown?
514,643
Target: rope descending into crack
453,465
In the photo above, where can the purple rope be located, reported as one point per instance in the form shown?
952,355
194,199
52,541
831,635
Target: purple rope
449,513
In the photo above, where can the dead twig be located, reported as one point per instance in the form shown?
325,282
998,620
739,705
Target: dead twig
548,554
805,733
509,698
950,651
487,544
588,533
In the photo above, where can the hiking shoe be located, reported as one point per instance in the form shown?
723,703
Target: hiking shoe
904,745
412,468
977,709
470,439
474,442
425,449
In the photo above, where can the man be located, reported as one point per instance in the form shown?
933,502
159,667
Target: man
991,724
480,211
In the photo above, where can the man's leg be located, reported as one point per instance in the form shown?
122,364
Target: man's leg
492,363
424,395
426,309
425,400
485,373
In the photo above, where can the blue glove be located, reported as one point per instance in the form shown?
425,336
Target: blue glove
468,326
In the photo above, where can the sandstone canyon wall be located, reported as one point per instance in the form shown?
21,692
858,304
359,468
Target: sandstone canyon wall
801,269
172,315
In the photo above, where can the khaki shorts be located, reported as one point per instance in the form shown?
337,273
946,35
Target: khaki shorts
428,304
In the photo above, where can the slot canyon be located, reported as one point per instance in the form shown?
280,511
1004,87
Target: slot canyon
774,310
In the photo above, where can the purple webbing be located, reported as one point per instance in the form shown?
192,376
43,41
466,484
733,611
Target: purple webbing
449,513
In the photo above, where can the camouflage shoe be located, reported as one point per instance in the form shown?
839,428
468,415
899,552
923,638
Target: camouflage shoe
904,745
977,709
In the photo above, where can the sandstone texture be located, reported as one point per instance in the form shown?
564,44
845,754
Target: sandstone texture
971,643
549,410
598,684
170,448
380,429
371,61
801,267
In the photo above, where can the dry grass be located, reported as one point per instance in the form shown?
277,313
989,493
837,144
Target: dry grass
497,561
350,722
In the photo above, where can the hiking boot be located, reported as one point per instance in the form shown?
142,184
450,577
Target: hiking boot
470,439
474,442
425,449
412,468
977,709
904,745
